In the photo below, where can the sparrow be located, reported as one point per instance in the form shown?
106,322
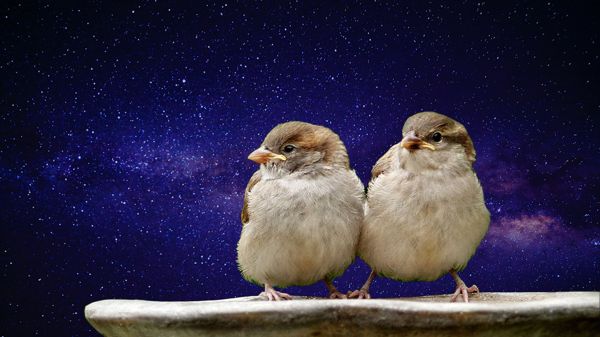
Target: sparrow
302,211
425,214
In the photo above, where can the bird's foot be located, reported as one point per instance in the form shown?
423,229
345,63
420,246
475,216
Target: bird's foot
333,292
274,295
337,295
363,292
359,294
462,289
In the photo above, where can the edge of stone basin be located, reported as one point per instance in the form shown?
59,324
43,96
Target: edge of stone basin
485,308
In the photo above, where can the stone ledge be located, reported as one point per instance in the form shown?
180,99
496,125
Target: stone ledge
489,314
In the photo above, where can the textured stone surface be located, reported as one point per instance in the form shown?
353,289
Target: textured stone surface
489,314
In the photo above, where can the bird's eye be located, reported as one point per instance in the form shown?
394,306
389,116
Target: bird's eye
288,148
437,137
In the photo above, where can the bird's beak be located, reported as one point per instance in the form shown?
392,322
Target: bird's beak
261,156
412,142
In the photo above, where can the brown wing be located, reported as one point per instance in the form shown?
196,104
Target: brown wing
384,163
253,181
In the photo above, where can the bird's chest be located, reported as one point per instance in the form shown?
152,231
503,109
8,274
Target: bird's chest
287,204
433,223
430,203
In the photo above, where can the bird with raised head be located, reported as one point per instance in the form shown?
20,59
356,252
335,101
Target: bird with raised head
302,211
425,214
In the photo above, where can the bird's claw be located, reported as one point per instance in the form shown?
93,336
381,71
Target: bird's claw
462,289
337,295
359,294
274,295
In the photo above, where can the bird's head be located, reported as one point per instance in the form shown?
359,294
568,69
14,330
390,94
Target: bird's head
298,146
434,140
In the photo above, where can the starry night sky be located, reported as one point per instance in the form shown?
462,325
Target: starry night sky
124,132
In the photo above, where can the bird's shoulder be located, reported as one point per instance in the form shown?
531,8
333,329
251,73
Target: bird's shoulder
384,164
255,179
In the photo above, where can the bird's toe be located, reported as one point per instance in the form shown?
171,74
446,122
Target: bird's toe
464,291
337,295
359,294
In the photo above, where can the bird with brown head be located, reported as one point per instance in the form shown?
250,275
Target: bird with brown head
425,214
302,210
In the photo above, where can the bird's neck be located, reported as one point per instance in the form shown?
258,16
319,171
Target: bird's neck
314,170
428,163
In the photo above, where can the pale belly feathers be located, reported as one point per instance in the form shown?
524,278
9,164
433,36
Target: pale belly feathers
418,227
301,230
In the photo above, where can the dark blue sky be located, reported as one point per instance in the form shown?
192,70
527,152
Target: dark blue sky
124,132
